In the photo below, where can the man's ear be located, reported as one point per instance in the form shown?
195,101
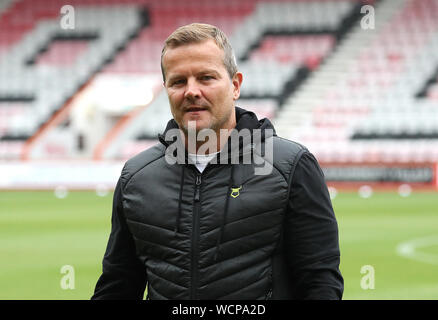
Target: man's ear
237,83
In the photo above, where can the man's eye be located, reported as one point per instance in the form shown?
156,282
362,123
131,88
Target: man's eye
177,82
205,78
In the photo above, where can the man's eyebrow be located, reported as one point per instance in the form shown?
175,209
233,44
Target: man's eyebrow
208,71
177,76
174,77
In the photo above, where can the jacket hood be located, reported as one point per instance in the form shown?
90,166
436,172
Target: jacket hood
248,120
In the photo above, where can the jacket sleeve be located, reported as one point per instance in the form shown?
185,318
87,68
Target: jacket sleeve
311,235
123,275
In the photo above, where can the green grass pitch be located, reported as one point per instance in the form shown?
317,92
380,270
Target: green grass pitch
39,234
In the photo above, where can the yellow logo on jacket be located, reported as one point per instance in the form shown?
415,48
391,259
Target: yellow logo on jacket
235,192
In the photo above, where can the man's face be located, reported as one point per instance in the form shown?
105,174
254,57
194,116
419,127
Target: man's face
199,87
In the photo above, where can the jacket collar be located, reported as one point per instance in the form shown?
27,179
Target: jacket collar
244,120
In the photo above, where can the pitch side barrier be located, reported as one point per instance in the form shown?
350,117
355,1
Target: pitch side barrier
96,175
381,175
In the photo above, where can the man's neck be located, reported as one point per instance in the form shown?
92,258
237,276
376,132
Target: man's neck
206,142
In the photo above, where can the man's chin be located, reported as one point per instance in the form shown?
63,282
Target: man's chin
195,128
197,125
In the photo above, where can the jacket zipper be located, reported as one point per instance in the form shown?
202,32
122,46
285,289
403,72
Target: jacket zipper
195,239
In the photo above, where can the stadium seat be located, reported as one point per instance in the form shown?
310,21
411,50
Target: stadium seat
298,70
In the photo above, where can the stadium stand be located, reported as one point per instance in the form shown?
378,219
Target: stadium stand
351,94
50,52
364,98
41,67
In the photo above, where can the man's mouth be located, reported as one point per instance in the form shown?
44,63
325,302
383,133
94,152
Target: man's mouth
195,109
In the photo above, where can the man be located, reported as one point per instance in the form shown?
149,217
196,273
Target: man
216,229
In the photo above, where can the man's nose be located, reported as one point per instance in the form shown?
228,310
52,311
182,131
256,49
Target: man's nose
192,89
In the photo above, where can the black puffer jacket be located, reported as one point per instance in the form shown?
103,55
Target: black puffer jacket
223,234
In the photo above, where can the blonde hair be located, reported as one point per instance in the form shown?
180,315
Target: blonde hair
198,32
